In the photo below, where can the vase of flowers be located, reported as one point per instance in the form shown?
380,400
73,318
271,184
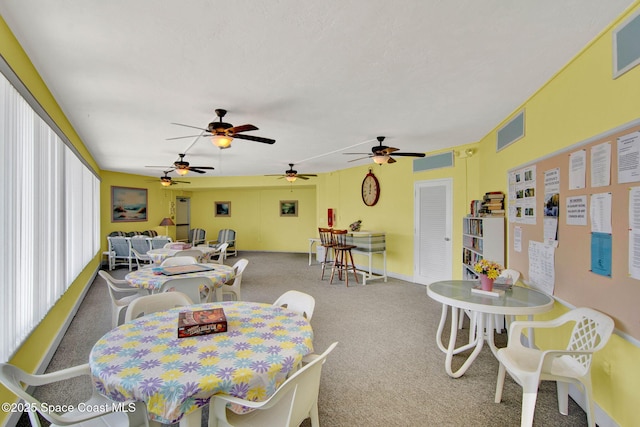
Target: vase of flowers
488,271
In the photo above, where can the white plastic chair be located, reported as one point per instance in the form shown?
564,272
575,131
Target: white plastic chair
198,289
222,251
98,410
293,402
156,302
233,287
180,260
144,258
158,242
122,294
571,364
297,301
500,320
196,253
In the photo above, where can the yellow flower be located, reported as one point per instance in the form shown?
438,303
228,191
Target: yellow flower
491,269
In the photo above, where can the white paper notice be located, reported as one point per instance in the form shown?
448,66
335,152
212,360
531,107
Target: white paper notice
577,169
634,232
517,239
600,213
550,230
629,158
542,266
601,165
576,210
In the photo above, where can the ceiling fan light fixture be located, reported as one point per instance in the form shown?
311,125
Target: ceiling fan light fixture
381,159
165,182
290,178
182,171
221,141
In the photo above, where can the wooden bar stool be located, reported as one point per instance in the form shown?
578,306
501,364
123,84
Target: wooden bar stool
343,256
326,241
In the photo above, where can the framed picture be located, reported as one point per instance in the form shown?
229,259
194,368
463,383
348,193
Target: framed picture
223,208
128,204
288,208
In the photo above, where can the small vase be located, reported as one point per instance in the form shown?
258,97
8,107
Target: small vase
486,283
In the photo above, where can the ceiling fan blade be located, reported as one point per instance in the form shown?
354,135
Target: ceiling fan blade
202,167
391,160
242,128
360,158
389,150
301,177
190,136
306,175
189,126
160,167
180,182
191,169
256,138
409,154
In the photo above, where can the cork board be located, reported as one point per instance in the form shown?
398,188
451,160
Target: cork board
617,295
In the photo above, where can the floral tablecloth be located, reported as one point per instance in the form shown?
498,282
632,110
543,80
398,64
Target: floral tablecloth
144,360
145,278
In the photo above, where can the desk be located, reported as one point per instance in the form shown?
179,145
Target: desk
144,278
159,255
143,360
457,294
369,243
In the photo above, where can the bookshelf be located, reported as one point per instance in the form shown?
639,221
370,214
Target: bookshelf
482,237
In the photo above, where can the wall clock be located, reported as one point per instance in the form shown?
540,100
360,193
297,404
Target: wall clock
370,189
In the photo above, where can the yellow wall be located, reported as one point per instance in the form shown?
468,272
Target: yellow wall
31,353
580,102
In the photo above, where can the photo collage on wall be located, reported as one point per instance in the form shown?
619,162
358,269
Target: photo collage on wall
522,195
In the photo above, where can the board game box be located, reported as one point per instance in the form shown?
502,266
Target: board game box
201,322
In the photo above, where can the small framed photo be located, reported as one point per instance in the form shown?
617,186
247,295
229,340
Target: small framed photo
288,208
223,208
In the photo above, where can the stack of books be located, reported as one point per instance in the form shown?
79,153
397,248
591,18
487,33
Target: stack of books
493,204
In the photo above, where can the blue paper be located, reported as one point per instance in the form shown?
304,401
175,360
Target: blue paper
601,253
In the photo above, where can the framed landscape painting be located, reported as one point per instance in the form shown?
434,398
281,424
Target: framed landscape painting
128,204
223,208
288,208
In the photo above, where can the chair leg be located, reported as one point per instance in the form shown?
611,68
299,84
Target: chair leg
315,419
563,397
353,267
499,383
528,408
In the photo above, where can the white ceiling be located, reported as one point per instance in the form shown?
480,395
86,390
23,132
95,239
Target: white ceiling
320,77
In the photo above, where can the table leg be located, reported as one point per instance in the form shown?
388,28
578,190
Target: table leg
192,419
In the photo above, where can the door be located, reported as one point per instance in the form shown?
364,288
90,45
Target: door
183,213
433,230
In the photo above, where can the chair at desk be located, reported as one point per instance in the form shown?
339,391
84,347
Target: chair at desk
571,364
343,261
156,302
198,289
326,242
297,301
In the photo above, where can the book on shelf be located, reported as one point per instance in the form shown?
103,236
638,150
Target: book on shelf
201,322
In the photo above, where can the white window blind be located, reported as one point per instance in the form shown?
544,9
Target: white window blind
49,217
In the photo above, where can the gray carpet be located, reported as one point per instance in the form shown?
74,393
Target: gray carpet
386,371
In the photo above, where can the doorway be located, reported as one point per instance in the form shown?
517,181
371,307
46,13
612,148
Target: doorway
183,215
433,230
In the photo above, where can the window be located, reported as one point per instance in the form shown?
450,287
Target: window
49,214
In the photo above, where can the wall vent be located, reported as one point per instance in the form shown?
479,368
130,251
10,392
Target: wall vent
626,45
511,132
436,161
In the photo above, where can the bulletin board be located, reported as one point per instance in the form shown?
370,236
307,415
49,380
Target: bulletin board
574,282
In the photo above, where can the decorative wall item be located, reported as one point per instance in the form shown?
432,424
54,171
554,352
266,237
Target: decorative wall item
128,204
288,208
223,208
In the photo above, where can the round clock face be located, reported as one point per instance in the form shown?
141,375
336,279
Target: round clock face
370,190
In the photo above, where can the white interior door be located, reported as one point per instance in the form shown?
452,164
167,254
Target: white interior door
432,239
183,214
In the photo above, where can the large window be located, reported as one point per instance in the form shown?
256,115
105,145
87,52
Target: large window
49,216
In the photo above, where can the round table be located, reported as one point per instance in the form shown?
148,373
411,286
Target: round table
457,294
143,360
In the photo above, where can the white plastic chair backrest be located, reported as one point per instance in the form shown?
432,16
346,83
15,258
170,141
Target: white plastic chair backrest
591,332
140,244
116,286
156,302
223,252
181,260
198,289
119,245
293,400
297,301
239,266
196,253
514,275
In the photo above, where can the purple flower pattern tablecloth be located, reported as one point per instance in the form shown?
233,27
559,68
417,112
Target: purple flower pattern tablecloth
144,360
145,278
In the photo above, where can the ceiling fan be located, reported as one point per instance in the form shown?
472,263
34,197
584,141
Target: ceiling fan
222,133
382,154
291,174
166,180
182,167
